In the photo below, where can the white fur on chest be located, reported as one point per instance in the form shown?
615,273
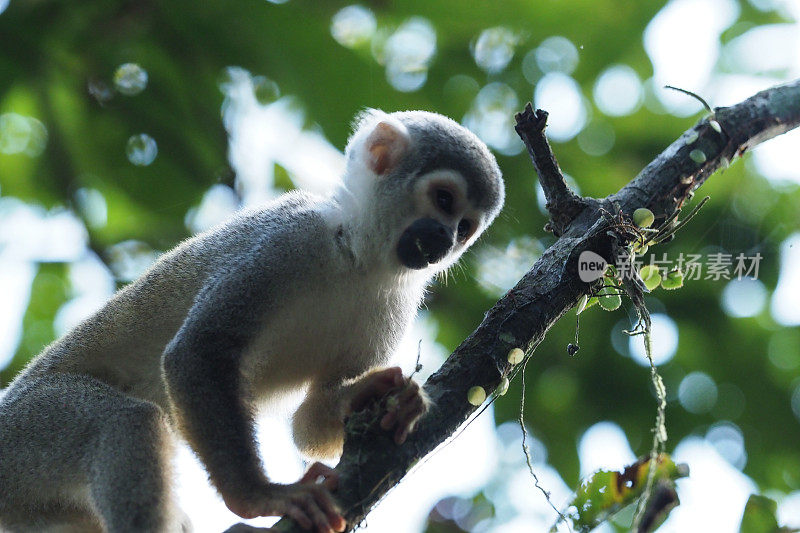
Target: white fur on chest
339,331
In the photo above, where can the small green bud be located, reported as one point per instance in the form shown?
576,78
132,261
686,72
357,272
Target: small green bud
692,137
476,395
515,356
643,217
698,156
582,304
651,276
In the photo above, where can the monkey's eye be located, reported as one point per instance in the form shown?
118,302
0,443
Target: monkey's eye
464,229
444,200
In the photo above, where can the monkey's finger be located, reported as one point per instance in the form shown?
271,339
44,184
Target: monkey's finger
407,419
316,514
409,393
410,402
324,511
403,429
389,420
393,374
298,514
388,377
401,436
335,518
319,470
406,424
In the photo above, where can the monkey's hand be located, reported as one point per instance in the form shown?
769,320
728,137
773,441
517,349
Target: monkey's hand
308,501
405,401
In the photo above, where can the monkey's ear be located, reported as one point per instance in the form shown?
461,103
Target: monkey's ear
386,145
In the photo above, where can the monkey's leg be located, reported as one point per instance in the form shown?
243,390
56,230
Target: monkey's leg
83,452
129,473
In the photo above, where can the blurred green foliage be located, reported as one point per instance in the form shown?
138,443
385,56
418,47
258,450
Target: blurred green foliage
760,516
52,53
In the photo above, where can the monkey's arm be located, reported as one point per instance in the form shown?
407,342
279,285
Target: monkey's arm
211,403
201,368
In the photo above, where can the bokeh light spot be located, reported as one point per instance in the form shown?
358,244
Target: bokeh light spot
728,440
683,42
557,54
784,307
665,341
509,435
500,269
604,446
789,510
129,259
494,49
744,297
745,53
353,26
562,97
21,134
92,205
776,159
218,204
697,393
141,149
408,53
130,79
618,91
491,118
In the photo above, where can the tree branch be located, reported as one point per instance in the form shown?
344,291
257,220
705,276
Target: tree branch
562,203
372,464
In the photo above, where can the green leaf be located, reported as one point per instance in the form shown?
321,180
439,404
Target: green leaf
651,276
607,492
673,280
760,516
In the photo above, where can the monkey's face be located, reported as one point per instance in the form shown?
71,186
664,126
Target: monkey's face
429,186
446,224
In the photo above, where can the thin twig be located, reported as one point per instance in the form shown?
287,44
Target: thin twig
693,95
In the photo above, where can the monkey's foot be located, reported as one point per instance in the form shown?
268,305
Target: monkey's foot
403,409
405,400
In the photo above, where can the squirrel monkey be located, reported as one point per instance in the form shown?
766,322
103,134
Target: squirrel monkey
304,292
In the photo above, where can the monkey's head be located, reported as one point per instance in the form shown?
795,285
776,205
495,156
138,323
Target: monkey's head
431,185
